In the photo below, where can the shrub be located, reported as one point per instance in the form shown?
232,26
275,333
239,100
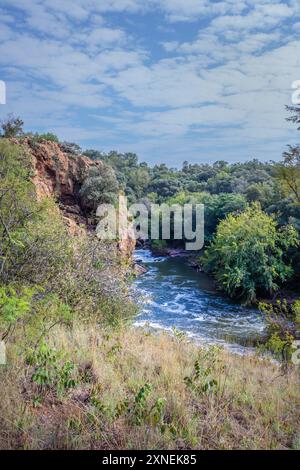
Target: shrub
13,308
283,326
48,136
12,126
99,187
71,147
247,254
51,369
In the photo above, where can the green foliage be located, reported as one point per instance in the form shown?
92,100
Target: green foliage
31,311
288,172
12,127
139,410
37,138
164,187
94,154
138,182
247,254
260,192
283,326
222,182
132,177
179,335
71,148
17,201
99,187
217,207
159,246
13,307
51,369
75,277
202,379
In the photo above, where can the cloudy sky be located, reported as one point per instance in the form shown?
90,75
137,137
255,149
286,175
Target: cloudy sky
171,80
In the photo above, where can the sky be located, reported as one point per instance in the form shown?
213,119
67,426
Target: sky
171,80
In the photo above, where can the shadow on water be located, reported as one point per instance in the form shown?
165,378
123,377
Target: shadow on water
172,294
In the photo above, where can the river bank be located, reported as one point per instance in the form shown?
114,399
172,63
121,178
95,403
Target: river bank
289,294
172,294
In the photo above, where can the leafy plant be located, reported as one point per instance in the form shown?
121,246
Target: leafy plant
38,138
202,380
51,369
13,307
283,326
99,187
12,126
247,254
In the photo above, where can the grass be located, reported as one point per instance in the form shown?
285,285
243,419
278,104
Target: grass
131,389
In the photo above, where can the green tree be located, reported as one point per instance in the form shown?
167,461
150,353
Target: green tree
288,172
247,254
100,186
12,126
164,187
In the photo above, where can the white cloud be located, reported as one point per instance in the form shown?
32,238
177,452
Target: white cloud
226,86
105,36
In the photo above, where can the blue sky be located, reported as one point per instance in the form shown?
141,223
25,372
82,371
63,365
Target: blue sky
172,80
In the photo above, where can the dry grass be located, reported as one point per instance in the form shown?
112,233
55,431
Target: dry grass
235,402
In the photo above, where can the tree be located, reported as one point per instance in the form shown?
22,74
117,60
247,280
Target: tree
99,187
138,181
288,172
93,154
71,148
247,255
223,182
260,192
164,187
295,118
217,207
12,126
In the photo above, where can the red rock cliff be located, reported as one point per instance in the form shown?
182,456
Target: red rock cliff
59,174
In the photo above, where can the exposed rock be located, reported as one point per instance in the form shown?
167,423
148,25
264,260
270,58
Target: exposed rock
139,269
59,174
127,244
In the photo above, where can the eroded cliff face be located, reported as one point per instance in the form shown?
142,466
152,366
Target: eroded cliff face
59,174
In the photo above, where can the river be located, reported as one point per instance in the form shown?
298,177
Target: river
173,294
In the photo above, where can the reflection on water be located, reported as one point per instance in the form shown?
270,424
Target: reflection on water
172,294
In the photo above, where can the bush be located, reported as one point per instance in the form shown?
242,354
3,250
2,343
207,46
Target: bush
12,127
48,136
247,254
99,187
283,326
51,369
71,148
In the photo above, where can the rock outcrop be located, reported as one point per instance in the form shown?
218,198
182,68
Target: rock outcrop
59,174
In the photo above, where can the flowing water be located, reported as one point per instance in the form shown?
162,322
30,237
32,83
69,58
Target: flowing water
173,294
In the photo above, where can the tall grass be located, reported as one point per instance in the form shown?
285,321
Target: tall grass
131,389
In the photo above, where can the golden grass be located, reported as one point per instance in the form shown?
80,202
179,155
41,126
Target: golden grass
235,402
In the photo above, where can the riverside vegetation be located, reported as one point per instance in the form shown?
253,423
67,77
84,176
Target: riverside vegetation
79,376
